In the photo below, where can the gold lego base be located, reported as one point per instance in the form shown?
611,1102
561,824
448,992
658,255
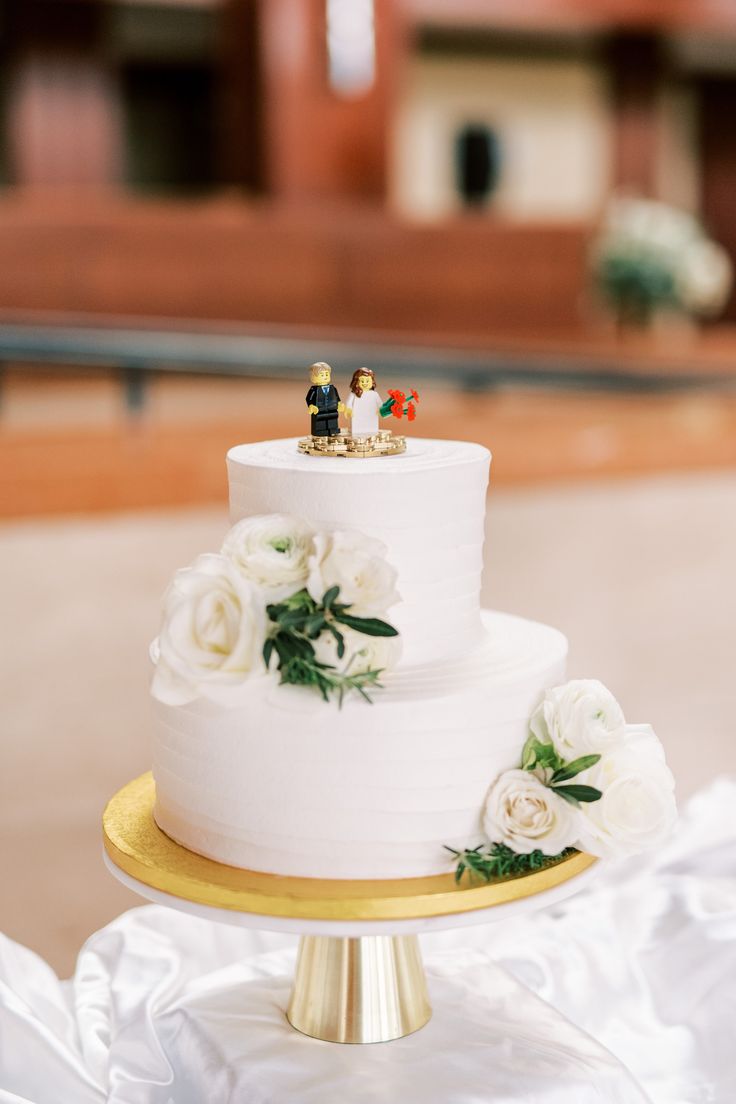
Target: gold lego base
383,443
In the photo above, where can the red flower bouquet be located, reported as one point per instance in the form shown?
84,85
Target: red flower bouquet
397,405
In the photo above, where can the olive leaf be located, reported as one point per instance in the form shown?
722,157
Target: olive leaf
314,625
576,794
330,597
297,621
370,626
569,770
339,638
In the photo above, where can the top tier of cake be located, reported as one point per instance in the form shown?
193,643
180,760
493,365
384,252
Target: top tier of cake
427,506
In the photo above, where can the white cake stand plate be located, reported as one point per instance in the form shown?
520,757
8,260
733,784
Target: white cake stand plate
359,975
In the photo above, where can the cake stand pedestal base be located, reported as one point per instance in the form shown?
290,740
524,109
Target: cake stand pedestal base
359,990
359,976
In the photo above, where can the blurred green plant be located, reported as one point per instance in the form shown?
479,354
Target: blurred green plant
650,257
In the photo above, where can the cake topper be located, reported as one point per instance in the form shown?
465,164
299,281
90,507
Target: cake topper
323,401
364,404
362,437
398,405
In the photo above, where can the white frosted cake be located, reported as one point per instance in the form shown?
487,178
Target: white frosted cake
275,778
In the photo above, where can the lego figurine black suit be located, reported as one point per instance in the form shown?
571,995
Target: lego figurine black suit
323,401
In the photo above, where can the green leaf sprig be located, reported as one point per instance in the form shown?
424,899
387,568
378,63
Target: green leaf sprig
489,862
496,860
555,772
299,620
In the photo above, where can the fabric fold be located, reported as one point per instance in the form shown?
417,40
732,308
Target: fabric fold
623,994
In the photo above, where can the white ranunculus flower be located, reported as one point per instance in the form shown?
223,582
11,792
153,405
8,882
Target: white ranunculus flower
528,816
272,551
212,633
637,810
581,717
362,653
357,564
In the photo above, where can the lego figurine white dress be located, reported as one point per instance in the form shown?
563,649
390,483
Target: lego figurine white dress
363,404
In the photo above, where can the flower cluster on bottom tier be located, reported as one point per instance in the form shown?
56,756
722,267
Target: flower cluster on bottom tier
587,780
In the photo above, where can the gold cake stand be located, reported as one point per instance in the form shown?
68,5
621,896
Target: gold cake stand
359,975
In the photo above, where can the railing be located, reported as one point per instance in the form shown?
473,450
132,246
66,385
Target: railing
136,350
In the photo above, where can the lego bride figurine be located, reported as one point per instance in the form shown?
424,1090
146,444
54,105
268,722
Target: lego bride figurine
363,405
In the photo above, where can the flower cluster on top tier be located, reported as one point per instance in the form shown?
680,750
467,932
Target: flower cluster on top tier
620,803
279,590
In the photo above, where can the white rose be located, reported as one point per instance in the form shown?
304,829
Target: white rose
356,564
362,653
581,717
637,810
212,633
527,816
273,551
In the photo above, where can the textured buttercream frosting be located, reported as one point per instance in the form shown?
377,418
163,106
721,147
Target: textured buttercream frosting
426,505
287,784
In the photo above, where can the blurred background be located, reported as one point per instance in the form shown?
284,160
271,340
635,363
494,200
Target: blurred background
527,211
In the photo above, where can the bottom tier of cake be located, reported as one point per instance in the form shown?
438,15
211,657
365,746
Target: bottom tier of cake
287,784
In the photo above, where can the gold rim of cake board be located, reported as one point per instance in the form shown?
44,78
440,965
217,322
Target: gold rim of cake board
383,443
136,844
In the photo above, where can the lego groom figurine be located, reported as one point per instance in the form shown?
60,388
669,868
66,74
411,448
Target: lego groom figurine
323,401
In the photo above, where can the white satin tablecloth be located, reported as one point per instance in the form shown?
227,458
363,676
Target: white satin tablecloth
626,993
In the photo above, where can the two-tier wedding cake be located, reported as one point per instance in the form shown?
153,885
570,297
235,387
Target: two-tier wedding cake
332,702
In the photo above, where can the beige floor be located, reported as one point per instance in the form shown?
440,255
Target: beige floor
639,574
